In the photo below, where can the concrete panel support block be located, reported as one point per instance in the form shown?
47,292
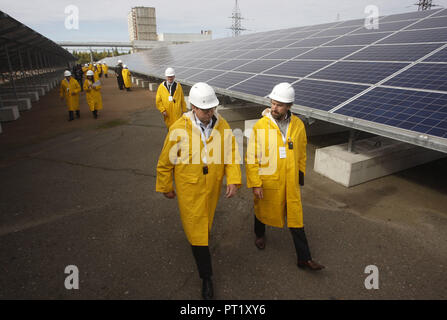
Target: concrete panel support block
153,87
145,84
374,158
9,113
138,82
23,104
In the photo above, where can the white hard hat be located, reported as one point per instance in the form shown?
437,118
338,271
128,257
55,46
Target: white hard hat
283,92
120,61
90,73
170,72
202,96
67,74
125,67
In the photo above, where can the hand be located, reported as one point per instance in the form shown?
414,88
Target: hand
165,114
258,192
231,191
170,195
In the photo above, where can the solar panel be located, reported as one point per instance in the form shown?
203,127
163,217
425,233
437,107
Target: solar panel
390,81
294,68
407,52
430,23
258,66
423,76
422,112
362,72
261,85
385,27
361,39
440,56
330,53
229,79
416,36
324,95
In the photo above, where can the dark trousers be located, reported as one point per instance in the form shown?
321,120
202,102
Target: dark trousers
299,240
203,260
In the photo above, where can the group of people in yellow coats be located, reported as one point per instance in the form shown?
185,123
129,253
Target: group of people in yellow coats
70,90
276,163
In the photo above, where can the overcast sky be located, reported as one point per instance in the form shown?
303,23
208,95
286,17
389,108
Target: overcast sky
106,20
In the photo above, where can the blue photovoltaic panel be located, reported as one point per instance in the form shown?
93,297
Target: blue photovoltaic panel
358,23
301,35
338,62
363,72
360,39
258,66
408,16
415,36
385,27
231,64
422,76
209,64
442,12
278,44
430,23
204,76
418,111
329,53
287,53
323,95
335,32
440,56
312,42
260,85
408,52
255,54
187,73
229,79
294,68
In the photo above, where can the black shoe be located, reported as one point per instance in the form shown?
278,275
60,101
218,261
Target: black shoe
207,289
70,116
78,114
95,114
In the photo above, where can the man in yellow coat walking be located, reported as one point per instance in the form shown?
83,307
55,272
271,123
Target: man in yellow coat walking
198,152
92,88
276,164
170,100
127,78
69,90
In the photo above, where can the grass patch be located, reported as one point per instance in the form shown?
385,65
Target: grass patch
113,123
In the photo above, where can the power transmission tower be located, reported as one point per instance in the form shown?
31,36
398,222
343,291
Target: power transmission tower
237,18
425,5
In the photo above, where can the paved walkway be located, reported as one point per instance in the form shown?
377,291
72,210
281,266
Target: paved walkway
82,193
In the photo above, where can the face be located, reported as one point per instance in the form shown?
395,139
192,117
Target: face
204,115
68,79
279,109
170,79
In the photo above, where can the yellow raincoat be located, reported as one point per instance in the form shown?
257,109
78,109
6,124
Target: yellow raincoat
105,68
72,94
127,78
282,196
175,108
93,95
197,193
99,67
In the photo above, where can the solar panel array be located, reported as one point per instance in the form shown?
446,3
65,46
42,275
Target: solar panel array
392,79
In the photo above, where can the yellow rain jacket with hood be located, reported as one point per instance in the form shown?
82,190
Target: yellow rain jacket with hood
197,193
277,173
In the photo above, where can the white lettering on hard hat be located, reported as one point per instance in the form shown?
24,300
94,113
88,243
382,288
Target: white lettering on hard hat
72,20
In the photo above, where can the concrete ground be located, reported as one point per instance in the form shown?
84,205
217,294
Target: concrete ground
82,193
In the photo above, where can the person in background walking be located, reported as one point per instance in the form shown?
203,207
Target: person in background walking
93,93
69,90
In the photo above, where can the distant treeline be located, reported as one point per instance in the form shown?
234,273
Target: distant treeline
84,57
